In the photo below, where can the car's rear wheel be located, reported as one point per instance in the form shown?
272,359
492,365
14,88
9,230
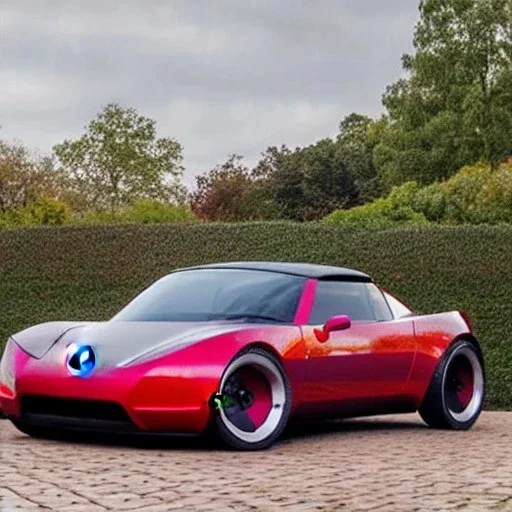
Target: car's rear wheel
455,397
254,401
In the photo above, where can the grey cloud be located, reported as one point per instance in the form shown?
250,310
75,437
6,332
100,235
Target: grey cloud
221,76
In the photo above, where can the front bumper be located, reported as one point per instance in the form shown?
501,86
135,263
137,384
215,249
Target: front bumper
74,414
148,398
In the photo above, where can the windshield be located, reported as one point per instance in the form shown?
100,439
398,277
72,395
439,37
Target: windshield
217,294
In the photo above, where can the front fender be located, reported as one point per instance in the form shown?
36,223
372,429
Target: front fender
177,388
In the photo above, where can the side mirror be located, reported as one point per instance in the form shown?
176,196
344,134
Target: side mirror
336,323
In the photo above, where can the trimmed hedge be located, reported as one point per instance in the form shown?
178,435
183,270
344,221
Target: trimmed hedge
88,273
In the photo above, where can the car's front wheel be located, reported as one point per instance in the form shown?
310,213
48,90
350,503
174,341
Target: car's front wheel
254,401
455,397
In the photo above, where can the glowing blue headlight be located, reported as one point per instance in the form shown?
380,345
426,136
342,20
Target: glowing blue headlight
80,359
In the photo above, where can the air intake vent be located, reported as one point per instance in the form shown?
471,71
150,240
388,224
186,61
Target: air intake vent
74,408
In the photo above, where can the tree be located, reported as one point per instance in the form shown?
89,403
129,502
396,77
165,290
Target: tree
456,106
307,183
229,193
327,182
24,179
310,182
356,140
119,159
279,175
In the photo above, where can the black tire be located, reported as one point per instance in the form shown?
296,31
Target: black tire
453,402
232,423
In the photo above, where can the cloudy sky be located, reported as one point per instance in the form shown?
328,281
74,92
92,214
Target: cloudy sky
221,76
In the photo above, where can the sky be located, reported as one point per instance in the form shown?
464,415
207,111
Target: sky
220,76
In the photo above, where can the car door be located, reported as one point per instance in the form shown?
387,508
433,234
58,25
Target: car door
363,365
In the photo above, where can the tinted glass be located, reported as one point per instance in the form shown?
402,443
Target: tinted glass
341,298
398,309
202,295
380,306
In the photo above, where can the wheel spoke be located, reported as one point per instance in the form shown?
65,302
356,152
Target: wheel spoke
453,401
465,389
256,384
239,418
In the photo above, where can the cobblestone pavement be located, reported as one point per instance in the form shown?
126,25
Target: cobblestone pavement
387,463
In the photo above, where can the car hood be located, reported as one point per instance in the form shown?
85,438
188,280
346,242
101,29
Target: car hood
120,343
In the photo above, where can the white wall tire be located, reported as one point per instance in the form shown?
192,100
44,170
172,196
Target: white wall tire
257,401
456,393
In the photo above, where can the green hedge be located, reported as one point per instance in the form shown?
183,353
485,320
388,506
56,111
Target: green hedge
88,273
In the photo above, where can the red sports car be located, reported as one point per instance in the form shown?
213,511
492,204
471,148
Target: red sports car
244,348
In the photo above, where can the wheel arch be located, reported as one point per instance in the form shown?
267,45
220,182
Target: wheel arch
253,344
470,338
264,346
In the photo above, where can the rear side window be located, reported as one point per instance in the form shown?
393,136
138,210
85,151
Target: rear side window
399,310
380,306
341,298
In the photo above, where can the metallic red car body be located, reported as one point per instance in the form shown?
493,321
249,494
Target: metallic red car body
369,368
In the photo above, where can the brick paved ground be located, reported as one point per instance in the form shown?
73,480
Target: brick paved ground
385,464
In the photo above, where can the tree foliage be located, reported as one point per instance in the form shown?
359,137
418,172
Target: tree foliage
141,211
326,182
309,182
453,109
456,106
229,193
119,159
357,138
474,195
24,178
301,184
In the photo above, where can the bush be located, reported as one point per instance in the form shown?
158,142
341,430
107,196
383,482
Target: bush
475,195
44,211
404,195
380,214
47,211
432,202
462,191
495,198
146,211
88,273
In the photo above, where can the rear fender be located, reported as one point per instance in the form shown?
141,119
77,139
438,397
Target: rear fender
433,335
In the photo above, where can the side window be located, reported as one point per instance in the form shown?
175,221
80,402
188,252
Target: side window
397,308
341,298
380,306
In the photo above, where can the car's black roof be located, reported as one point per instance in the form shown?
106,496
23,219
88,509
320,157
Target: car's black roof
297,269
